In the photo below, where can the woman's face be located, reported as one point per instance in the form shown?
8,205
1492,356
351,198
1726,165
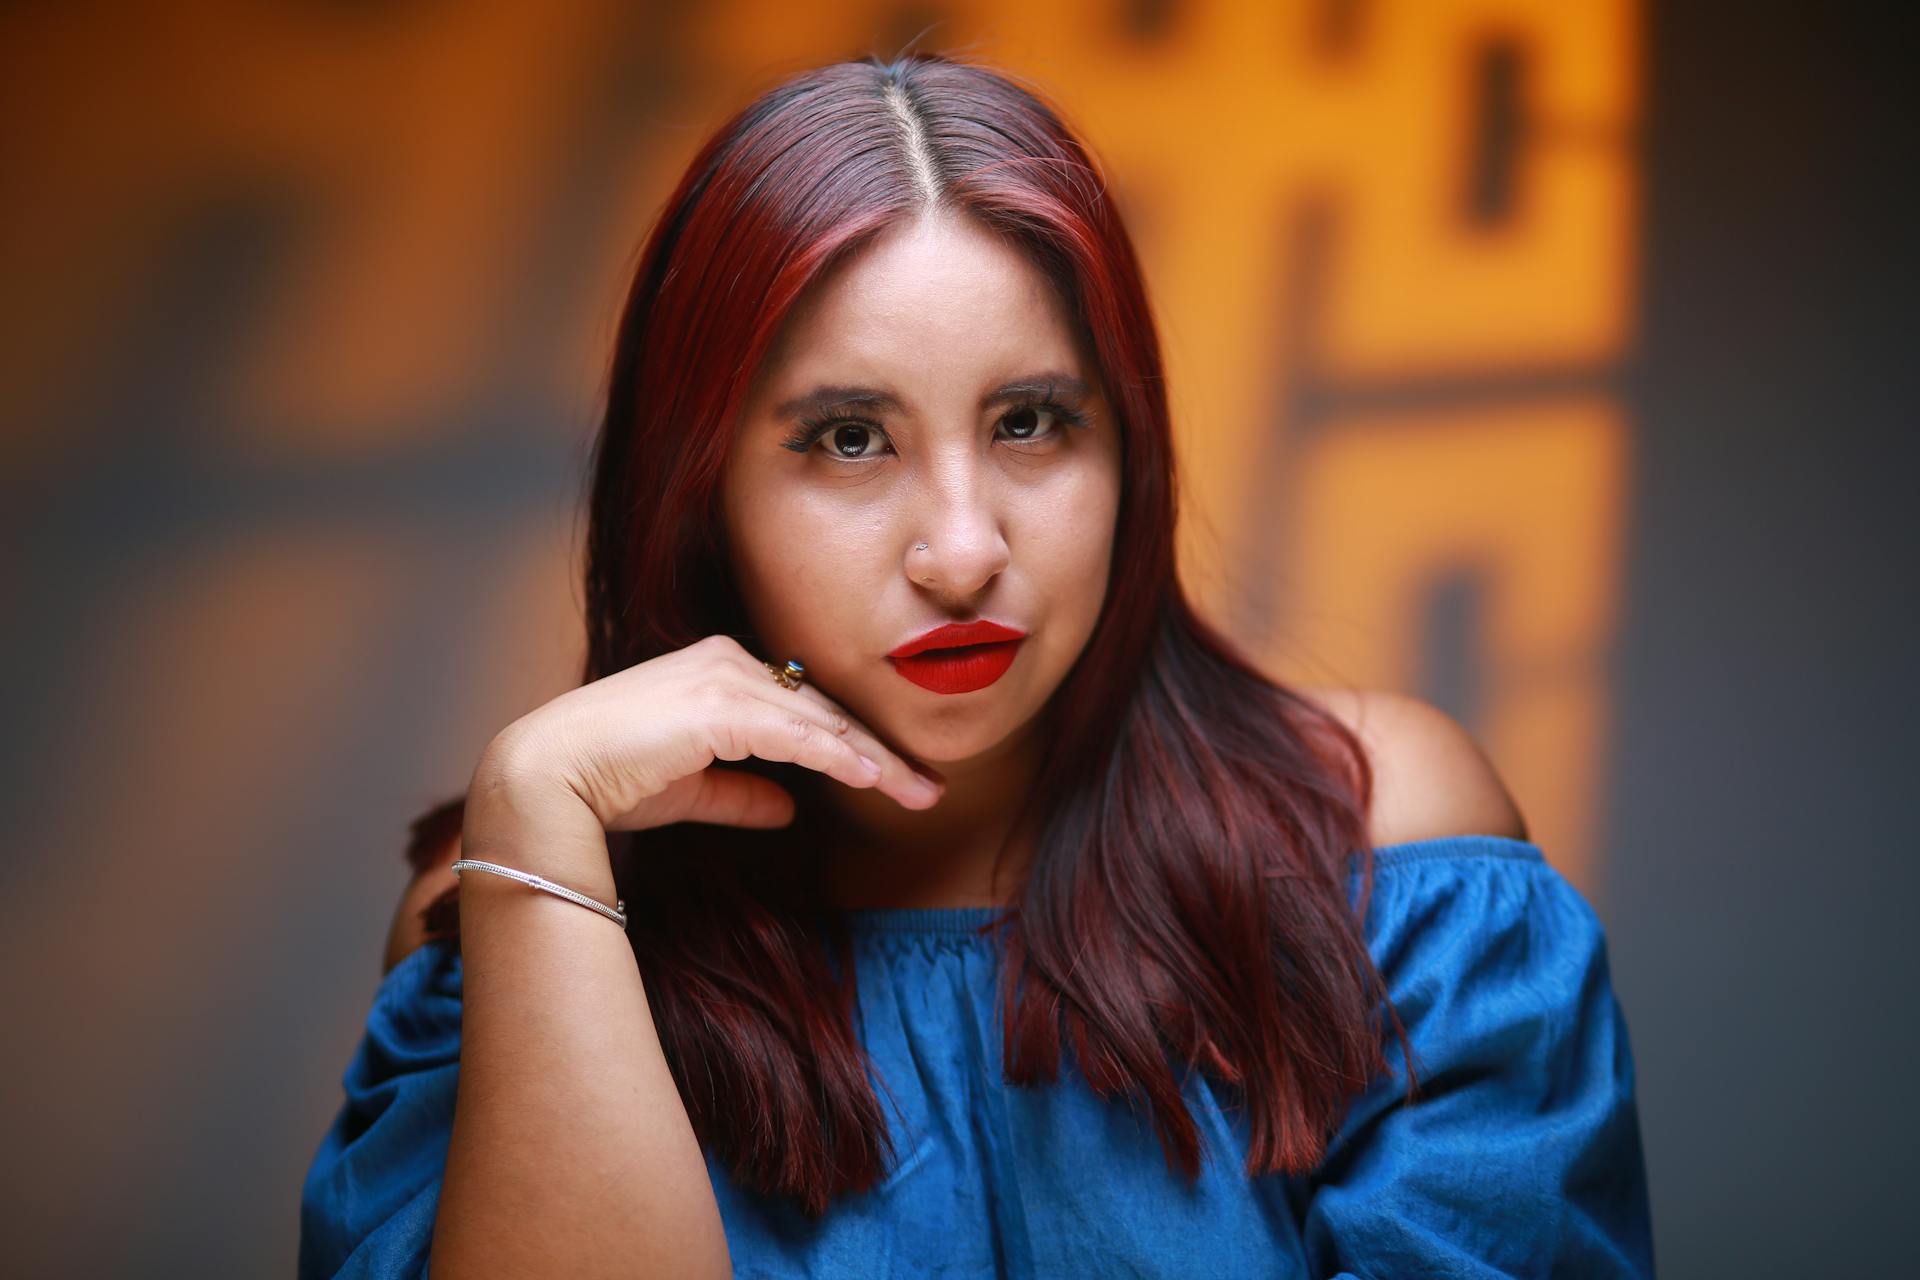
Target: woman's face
932,389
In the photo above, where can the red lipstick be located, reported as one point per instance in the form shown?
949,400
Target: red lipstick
959,657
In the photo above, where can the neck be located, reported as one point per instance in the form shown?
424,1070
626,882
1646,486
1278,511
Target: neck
874,853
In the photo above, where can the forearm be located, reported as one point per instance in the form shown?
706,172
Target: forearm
571,1152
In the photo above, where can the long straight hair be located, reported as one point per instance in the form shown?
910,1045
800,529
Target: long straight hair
1187,902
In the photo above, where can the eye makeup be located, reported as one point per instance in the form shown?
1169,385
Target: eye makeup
802,439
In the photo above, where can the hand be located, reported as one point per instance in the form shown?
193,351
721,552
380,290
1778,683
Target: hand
635,747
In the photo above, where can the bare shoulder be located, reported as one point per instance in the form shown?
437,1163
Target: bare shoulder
434,877
1430,777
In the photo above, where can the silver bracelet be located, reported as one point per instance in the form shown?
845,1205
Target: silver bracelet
616,914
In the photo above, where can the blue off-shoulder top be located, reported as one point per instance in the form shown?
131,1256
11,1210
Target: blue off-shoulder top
1521,1157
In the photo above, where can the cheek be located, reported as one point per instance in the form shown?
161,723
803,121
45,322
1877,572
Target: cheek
803,568
765,562
1071,544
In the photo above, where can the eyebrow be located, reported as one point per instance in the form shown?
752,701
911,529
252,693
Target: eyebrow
831,399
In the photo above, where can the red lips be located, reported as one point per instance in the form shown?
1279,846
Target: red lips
959,657
955,634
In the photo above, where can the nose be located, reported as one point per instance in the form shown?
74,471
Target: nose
965,545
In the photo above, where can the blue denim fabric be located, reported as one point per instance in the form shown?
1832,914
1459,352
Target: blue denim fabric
1522,1158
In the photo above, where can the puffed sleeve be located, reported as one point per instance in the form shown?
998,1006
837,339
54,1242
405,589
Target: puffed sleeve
1522,1155
367,1206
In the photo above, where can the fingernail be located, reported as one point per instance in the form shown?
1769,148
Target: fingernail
873,766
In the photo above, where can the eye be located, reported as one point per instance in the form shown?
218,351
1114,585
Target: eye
1024,421
851,439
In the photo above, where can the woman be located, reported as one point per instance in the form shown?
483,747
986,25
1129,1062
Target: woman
1014,845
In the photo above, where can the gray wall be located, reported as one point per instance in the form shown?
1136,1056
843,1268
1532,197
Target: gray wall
1761,862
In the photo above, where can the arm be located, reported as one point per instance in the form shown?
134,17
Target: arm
1522,1154
569,1151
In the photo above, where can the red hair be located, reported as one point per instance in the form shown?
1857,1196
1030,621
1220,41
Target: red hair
1187,904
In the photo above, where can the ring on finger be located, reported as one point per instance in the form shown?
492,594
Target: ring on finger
790,676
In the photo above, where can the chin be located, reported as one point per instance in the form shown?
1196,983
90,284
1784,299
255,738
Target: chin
917,738
949,735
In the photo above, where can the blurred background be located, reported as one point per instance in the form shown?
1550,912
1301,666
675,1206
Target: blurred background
1549,361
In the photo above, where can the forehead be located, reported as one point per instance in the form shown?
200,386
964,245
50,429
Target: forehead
941,297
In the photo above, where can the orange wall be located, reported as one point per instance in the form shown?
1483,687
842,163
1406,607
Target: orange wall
308,307
1378,391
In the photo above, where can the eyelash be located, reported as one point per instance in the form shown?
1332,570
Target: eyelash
811,429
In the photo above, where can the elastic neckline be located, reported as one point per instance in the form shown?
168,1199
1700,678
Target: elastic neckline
946,920
966,921
1463,846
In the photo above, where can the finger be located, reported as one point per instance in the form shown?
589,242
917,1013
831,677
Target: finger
899,778
731,797
736,798
914,786
795,730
